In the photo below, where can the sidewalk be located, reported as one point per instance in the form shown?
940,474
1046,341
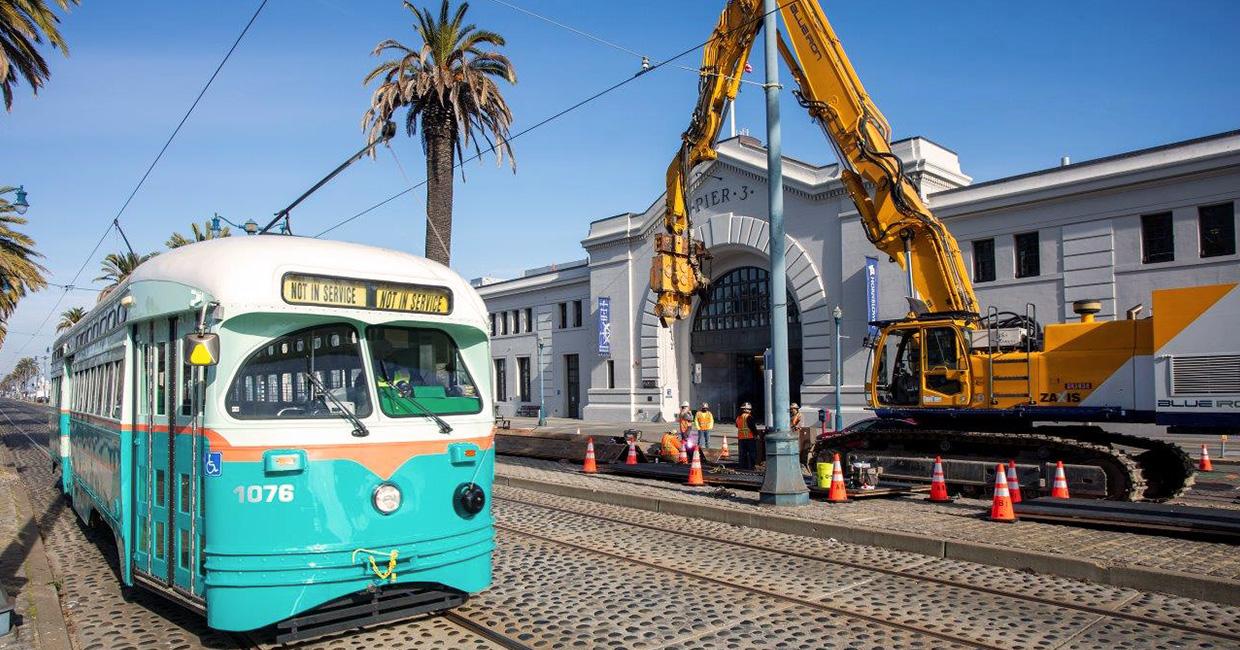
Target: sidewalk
1194,569
24,570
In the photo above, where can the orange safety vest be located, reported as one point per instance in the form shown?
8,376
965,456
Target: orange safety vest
671,447
743,431
796,421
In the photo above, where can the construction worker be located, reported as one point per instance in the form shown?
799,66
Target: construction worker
804,437
705,423
745,437
669,447
685,419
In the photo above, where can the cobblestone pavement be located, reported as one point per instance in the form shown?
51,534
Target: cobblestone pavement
573,573
958,520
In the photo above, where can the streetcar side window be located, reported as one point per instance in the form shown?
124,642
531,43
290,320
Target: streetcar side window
161,379
272,382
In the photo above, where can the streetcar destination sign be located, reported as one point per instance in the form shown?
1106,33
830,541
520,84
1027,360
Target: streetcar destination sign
327,291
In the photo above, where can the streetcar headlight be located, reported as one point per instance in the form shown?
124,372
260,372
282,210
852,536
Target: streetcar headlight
470,499
386,498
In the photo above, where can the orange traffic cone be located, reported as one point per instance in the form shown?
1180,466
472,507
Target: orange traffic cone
938,483
682,456
695,470
1001,508
1206,465
723,449
1013,482
1060,488
838,493
631,459
590,466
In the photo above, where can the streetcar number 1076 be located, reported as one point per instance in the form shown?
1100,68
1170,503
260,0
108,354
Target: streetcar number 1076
264,493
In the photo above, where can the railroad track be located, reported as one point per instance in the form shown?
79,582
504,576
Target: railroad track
463,622
1101,612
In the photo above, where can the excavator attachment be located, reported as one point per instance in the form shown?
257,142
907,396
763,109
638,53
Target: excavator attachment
676,275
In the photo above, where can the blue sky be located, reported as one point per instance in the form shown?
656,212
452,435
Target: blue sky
1009,86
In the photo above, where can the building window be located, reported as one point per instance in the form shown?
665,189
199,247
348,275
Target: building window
523,379
503,322
493,330
529,319
984,260
501,381
563,315
1217,225
576,313
611,373
1028,264
739,300
1157,239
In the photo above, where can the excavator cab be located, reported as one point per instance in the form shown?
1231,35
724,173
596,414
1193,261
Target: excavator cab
921,364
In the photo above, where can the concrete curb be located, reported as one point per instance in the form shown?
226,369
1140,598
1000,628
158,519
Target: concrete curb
1219,590
51,631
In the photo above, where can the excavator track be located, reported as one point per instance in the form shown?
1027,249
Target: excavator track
1157,471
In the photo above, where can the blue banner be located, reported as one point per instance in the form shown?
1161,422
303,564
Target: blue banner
604,325
871,293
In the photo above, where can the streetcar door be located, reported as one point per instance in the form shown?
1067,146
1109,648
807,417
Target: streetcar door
186,466
152,456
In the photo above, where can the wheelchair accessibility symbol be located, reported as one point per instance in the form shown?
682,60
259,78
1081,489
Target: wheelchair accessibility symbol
212,463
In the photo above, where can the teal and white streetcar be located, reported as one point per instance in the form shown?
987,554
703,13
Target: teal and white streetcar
284,431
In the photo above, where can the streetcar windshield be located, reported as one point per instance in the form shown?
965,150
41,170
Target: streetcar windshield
419,371
272,383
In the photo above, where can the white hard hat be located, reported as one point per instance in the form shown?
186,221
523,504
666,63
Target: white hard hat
795,406
684,405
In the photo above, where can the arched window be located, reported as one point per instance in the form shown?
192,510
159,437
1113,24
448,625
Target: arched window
740,299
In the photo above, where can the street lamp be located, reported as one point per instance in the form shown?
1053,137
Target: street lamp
542,388
21,204
838,315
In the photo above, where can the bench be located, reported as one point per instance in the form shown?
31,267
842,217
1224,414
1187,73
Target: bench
527,411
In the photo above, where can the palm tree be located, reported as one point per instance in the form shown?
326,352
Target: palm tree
117,266
449,81
203,233
69,318
23,25
19,273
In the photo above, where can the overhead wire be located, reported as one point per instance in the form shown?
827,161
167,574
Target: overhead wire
541,123
599,39
115,222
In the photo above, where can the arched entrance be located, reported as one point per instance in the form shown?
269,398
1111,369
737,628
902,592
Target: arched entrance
731,332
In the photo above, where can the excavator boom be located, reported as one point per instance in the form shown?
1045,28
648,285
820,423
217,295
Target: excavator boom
676,270
893,214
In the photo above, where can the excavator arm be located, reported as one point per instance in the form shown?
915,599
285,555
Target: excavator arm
895,219
676,270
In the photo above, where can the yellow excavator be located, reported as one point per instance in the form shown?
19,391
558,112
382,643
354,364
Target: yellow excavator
949,379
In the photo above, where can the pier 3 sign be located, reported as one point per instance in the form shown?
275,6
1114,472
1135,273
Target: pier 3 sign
604,325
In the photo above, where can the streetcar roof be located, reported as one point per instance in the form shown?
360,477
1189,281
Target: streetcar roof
244,274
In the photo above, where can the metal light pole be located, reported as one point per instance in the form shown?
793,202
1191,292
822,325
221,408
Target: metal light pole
838,314
542,388
783,484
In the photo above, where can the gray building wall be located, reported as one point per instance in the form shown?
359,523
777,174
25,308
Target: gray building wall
1087,216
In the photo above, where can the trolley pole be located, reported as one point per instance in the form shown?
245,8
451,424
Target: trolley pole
783,485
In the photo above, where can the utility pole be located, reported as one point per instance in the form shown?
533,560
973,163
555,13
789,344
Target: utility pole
783,484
